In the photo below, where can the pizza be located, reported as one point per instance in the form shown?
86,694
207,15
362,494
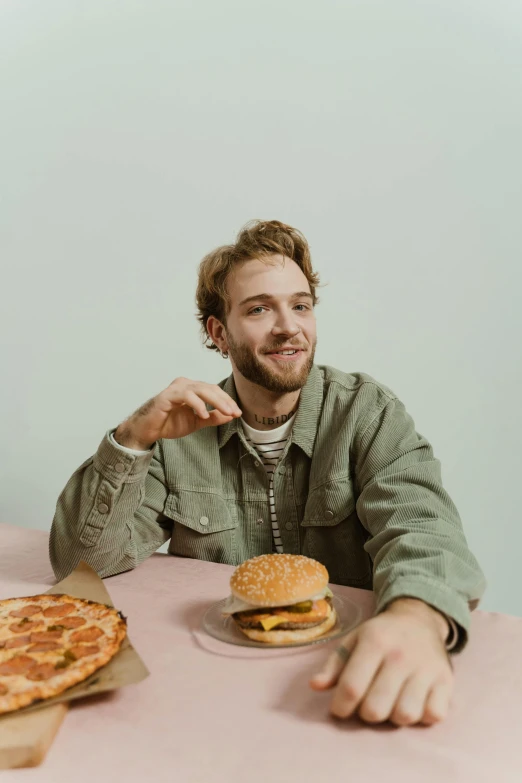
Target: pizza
50,642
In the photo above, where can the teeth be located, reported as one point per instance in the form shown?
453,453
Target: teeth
286,353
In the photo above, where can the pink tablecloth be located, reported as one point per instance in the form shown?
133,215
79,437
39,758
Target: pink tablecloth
203,716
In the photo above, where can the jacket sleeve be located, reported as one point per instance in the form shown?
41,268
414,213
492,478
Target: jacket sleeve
417,543
110,513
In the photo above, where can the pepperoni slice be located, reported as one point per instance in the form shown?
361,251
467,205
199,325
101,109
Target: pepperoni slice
59,611
72,622
44,646
23,627
44,671
46,636
20,664
17,641
27,611
87,635
81,650
3,689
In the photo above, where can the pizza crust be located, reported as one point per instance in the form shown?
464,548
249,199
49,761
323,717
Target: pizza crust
16,691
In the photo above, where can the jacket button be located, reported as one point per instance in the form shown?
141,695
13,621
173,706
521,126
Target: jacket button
119,467
260,521
282,469
203,521
256,463
289,526
103,508
328,514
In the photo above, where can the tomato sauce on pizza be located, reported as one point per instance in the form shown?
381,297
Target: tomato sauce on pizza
49,643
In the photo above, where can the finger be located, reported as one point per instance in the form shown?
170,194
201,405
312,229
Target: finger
438,703
196,403
384,692
411,702
217,397
334,665
355,680
182,391
215,419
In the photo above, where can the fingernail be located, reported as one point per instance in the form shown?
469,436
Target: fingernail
321,676
319,680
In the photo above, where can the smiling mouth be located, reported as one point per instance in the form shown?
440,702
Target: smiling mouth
286,355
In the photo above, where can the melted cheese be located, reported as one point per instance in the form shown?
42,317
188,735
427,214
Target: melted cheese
270,622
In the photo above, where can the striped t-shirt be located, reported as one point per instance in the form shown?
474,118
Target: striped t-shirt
269,444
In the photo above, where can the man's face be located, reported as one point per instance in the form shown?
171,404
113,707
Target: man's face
278,315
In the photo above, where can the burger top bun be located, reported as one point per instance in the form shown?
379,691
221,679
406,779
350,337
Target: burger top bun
278,579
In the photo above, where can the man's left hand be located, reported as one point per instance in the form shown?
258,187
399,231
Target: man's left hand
392,667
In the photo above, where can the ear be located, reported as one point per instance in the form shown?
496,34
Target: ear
217,333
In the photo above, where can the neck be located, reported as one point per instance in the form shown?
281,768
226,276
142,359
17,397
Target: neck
262,409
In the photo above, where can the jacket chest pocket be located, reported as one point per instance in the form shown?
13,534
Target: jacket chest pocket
204,526
334,535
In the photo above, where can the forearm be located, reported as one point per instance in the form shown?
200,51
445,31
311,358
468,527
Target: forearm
109,513
430,564
416,543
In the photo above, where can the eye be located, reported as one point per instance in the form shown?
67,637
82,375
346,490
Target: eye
259,307
304,306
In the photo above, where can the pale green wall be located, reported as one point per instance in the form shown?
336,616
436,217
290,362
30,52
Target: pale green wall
136,136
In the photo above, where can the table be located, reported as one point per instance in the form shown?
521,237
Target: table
205,716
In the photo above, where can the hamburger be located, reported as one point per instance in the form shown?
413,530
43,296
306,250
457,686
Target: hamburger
281,599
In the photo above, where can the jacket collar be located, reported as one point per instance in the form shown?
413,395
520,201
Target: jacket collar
307,417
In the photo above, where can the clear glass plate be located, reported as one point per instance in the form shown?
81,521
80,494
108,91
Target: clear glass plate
225,629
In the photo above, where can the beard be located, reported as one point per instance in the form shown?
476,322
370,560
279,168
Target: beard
288,379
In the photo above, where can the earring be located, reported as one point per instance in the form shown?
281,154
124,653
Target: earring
224,355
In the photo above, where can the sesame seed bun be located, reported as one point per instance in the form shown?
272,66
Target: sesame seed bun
278,580
291,637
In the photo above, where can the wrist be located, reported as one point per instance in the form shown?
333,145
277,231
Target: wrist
421,609
124,437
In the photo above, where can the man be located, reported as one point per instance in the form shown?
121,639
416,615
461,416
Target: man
288,456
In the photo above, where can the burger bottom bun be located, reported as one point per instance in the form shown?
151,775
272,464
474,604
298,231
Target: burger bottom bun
291,637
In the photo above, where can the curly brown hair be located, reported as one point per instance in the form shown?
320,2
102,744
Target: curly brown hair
258,239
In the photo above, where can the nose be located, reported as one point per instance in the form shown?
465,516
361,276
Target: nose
286,324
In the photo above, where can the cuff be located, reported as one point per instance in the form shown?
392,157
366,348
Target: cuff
453,636
115,443
119,466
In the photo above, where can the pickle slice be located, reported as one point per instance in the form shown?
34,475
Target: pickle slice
302,607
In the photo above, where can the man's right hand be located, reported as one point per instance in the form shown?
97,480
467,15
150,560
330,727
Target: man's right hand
175,412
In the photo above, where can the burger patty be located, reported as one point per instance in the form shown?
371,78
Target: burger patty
282,626
293,621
